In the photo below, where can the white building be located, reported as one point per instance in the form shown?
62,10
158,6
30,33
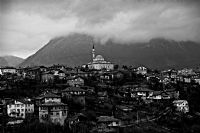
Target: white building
141,70
4,70
52,109
181,105
99,62
54,112
19,108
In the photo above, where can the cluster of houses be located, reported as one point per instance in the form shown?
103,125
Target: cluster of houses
54,105
46,107
173,76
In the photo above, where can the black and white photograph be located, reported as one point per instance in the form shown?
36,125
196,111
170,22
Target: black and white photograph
99,66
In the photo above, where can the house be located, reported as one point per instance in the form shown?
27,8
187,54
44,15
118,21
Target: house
4,70
117,75
110,121
56,112
36,72
76,81
61,74
107,124
186,72
47,77
141,92
76,119
158,95
171,73
181,105
197,80
20,108
135,91
105,77
2,109
125,90
51,108
124,113
76,94
185,79
173,93
141,70
50,97
47,97
56,67
102,95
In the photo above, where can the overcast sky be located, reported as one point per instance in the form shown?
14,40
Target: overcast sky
27,25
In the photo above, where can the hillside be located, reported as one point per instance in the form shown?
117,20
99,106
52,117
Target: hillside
3,62
75,50
10,60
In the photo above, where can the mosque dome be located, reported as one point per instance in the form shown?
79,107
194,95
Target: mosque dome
99,58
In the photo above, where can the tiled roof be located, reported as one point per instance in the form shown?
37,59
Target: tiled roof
143,89
73,89
53,104
49,95
107,119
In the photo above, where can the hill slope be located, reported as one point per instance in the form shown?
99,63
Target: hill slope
75,50
3,62
10,61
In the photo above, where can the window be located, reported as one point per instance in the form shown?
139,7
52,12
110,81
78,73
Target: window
57,113
22,110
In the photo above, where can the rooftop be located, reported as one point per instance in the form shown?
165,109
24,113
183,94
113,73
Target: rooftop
107,119
53,104
69,89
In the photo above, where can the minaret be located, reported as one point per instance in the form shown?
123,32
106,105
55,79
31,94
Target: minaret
93,52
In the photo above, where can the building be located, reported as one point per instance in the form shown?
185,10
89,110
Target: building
141,70
99,63
56,112
47,77
75,81
51,109
4,70
141,92
20,108
181,105
107,124
36,72
76,94
159,95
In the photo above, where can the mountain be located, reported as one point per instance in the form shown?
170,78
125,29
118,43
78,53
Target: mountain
3,62
10,61
75,49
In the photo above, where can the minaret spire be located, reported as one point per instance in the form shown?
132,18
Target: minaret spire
93,51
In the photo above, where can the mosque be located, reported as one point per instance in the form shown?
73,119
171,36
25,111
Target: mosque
99,63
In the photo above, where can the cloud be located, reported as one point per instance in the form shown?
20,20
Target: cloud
27,25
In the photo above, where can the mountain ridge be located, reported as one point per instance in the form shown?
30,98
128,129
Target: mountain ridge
10,60
75,49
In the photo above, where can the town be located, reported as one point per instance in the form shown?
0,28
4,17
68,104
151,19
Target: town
99,97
